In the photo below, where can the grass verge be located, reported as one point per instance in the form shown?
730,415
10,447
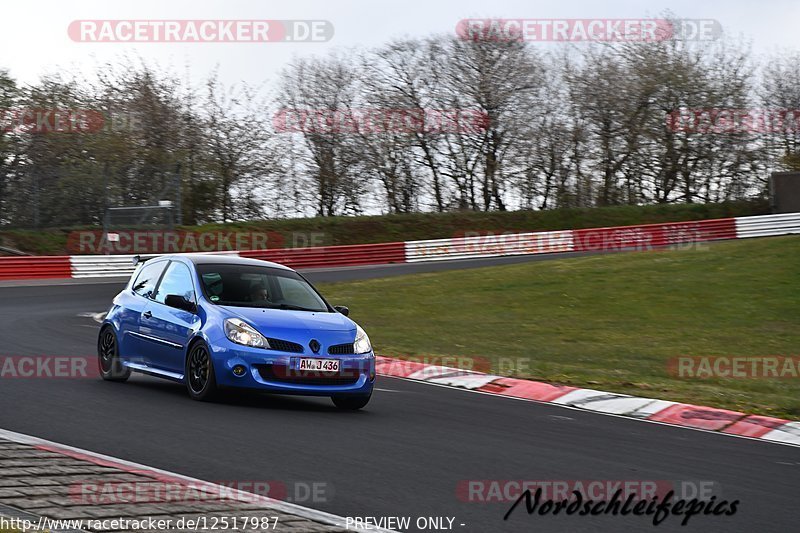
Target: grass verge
608,322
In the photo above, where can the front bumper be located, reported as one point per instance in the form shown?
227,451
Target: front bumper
278,372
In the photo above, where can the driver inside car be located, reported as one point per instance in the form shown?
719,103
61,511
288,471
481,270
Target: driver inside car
259,293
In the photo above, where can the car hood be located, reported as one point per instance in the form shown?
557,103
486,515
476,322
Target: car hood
266,320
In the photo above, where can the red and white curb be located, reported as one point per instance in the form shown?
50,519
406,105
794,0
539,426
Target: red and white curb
663,411
122,465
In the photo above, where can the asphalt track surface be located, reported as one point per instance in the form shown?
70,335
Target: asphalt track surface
403,456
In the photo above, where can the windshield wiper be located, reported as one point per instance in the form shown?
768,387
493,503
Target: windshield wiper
287,307
291,307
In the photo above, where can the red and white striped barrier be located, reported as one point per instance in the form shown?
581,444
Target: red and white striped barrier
41,267
336,256
674,413
641,237
647,236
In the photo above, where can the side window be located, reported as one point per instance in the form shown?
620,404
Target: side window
177,280
147,279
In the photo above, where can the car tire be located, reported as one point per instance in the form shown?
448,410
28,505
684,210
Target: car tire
351,403
111,369
199,377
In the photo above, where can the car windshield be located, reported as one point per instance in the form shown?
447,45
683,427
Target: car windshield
262,287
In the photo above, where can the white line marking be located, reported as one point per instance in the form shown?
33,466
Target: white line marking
290,508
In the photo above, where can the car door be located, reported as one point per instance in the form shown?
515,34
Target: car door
133,346
169,329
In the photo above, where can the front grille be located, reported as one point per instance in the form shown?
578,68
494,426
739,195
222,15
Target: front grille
298,377
341,349
285,346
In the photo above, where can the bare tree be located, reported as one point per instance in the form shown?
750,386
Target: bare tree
546,149
613,112
318,92
675,165
503,81
237,140
10,153
402,75
587,126
780,91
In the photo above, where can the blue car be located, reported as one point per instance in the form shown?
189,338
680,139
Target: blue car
216,321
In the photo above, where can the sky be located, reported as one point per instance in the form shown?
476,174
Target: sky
34,39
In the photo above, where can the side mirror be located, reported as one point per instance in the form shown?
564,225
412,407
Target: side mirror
179,302
342,309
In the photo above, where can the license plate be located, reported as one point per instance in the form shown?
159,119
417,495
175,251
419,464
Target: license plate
320,365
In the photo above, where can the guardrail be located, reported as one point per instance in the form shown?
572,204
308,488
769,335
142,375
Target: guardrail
646,236
768,225
101,266
106,266
42,267
638,237
543,242
332,256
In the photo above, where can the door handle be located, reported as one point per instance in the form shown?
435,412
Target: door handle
147,314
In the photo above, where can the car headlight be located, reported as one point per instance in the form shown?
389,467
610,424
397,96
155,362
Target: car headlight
362,344
240,332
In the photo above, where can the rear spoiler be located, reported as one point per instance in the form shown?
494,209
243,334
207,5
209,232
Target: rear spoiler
138,260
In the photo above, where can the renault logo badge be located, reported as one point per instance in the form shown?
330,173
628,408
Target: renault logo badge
314,345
